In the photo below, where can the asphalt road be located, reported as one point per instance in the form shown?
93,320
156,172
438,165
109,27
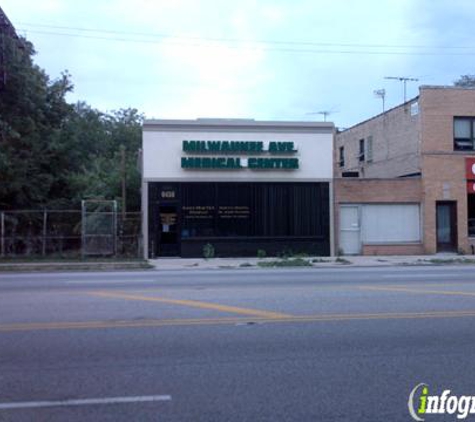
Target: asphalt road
346,344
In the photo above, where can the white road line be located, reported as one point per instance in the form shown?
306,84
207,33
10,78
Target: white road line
425,276
82,402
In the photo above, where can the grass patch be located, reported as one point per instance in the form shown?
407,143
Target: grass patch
286,262
65,259
319,260
246,265
441,261
75,266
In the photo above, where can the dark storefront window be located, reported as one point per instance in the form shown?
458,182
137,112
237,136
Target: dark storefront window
254,210
239,218
198,206
233,216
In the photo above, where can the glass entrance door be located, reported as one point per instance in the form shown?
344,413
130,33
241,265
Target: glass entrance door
446,213
168,234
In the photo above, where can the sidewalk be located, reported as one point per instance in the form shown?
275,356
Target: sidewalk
162,264
320,262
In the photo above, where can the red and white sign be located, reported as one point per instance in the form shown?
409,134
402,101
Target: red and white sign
471,187
470,168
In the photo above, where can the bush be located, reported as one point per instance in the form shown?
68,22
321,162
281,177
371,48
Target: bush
293,262
261,253
208,251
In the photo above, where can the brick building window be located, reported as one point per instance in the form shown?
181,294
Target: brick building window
341,158
361,151
464,133
369,149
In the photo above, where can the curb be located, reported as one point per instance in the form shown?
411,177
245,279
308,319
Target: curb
73,266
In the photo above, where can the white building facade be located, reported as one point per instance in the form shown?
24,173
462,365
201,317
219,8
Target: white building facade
238,185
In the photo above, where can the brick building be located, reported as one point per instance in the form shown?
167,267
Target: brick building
404,180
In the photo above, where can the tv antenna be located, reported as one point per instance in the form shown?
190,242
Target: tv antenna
380,93
404,80
324,113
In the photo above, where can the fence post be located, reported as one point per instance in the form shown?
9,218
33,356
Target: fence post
45,218
115,228
83,229
2,228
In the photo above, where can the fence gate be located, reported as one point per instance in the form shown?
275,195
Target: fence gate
99,227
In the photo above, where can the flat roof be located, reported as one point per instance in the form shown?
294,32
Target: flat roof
165,124
448,87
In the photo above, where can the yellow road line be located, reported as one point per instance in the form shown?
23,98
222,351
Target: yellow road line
442,284
193,304
81,325
417,291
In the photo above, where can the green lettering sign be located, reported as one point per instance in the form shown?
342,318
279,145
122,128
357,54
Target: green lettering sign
281,147
225,147
238,147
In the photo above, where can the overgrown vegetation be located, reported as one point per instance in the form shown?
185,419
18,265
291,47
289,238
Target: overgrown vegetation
442,261
208,251
286,262
343,261
320,260
261,253
52,153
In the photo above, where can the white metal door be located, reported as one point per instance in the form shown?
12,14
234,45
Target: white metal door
350,230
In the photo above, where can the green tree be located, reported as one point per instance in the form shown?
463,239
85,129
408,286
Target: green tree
54,154
33,110
465,81
98,139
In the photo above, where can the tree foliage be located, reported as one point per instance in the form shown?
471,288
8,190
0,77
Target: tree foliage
465,81
97,173
52,153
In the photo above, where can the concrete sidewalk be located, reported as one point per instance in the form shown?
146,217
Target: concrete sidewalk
163,264
320,262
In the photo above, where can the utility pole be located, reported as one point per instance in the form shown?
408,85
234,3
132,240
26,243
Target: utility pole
404,80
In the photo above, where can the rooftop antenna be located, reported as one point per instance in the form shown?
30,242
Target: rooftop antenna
324,113
380,93
404,80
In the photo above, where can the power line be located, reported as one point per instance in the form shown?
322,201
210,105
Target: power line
201,42
152,38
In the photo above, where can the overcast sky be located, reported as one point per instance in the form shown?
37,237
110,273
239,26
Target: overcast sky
262,59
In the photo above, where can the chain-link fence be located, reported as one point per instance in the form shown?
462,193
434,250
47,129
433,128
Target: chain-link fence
59,234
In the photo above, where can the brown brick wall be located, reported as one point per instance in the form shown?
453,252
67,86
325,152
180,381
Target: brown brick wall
438,107
443,169
396,148
404,144
413,249
374,191
377,190
444,180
